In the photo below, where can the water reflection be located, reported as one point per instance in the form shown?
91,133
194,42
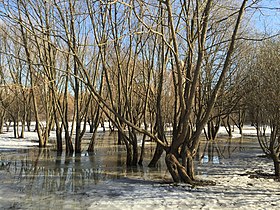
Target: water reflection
215,151
44,172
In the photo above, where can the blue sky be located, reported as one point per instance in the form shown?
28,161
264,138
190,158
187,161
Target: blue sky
267,18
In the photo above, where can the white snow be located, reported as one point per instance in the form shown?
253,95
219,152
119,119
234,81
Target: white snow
8,142
231,192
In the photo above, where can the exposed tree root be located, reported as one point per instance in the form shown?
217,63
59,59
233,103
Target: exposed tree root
179,172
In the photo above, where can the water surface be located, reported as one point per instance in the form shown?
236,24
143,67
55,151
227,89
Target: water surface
42,179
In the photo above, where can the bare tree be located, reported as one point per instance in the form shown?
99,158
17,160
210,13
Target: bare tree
263,100
186,81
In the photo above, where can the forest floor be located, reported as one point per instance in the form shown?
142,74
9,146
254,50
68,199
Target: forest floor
241,183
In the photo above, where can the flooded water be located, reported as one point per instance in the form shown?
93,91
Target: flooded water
42,179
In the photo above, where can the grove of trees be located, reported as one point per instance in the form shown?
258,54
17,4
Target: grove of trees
263,103
141,65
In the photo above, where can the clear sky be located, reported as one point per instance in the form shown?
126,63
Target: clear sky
267,17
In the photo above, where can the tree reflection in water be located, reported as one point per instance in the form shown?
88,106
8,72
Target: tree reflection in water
44,172
43,169
214,151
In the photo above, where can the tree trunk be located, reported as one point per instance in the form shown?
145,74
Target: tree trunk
135,153
120,137
68,142
90,122
140,162
8,126
22,128
111,127
190,167
92,140
228,126
158,152
59,140
213,126
17,124
78,140
2,120
240,130
177,171
28,124
15,128
58,131
92,143
128,154
94,124
276,162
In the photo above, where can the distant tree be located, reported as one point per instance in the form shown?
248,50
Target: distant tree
15,82
263,101
3,94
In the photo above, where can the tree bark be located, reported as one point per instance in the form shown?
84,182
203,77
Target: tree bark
157,155
177,171
2,120
276,162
